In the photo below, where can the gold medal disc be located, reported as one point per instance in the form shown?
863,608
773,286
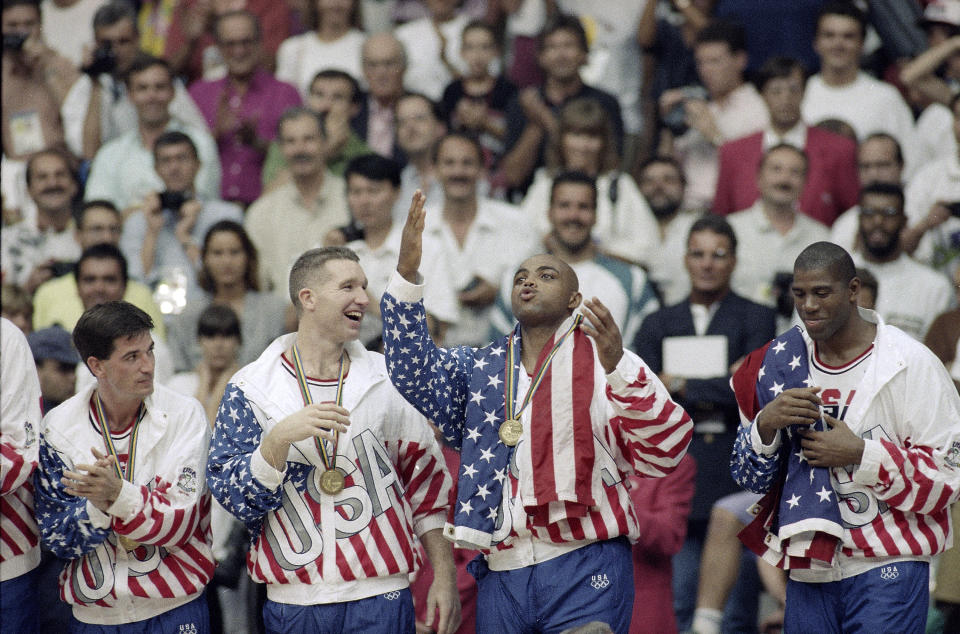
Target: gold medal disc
127,544
510,432
332,481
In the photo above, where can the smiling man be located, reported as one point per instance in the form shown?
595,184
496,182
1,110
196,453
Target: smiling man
542,489
119,489
334,475
852,430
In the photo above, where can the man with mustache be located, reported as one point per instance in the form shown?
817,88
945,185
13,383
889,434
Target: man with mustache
32,247
298,214
623,288
772,232
912,294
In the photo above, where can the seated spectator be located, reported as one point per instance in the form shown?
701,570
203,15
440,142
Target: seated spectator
39,248
737,326
333,41
625,226
731,109
831,186
572,212
433,48
151,87
290,219
228,276
217,332
662,183
59,301
480,238
532,114
841,90
15,305
913,294
191,44
98,108
161,240
879,160
774,28
243,108
771,232
384,63
335,96
56,360
661,506
373,184
419,128
477,101
933,208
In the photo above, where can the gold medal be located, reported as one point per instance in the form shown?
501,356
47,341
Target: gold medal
332,481
128,544
510,432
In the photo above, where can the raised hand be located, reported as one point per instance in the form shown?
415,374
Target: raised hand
411,240
605,333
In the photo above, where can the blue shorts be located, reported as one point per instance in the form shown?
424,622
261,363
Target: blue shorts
18,604
593,583
189,618
890,598
390,613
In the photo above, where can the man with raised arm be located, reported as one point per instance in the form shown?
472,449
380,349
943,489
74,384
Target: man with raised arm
549,421
119,487
852,430
334,475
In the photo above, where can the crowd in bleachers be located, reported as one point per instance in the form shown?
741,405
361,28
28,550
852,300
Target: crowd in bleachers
181,154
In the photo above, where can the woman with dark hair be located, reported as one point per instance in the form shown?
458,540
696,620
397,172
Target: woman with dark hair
625,225
228,276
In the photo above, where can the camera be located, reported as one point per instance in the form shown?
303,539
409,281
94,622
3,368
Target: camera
14,41
59,268
172,200
954,208
676,119
104,60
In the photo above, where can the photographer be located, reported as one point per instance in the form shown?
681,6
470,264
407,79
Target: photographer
161,239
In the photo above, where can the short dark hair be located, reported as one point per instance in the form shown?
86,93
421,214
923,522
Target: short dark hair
779,67
869,280
375,168
55,152
462,135
144,61
309,263
564,22
575,177
113,12
99,327
898,149
844,8
481,25
98,203
714,224
238,13
251,279
883,189
9,4
336,73
663,160
827,256
104,251
723,32
217,319
298,112
785,146
174,137
435,109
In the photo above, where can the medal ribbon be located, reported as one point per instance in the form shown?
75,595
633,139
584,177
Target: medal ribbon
329,461
101,419
509,384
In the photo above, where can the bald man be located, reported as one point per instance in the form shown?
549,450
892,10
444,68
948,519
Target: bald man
549,421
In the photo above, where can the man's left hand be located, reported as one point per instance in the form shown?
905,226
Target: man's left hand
443,605
837,447
100,484
605,333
